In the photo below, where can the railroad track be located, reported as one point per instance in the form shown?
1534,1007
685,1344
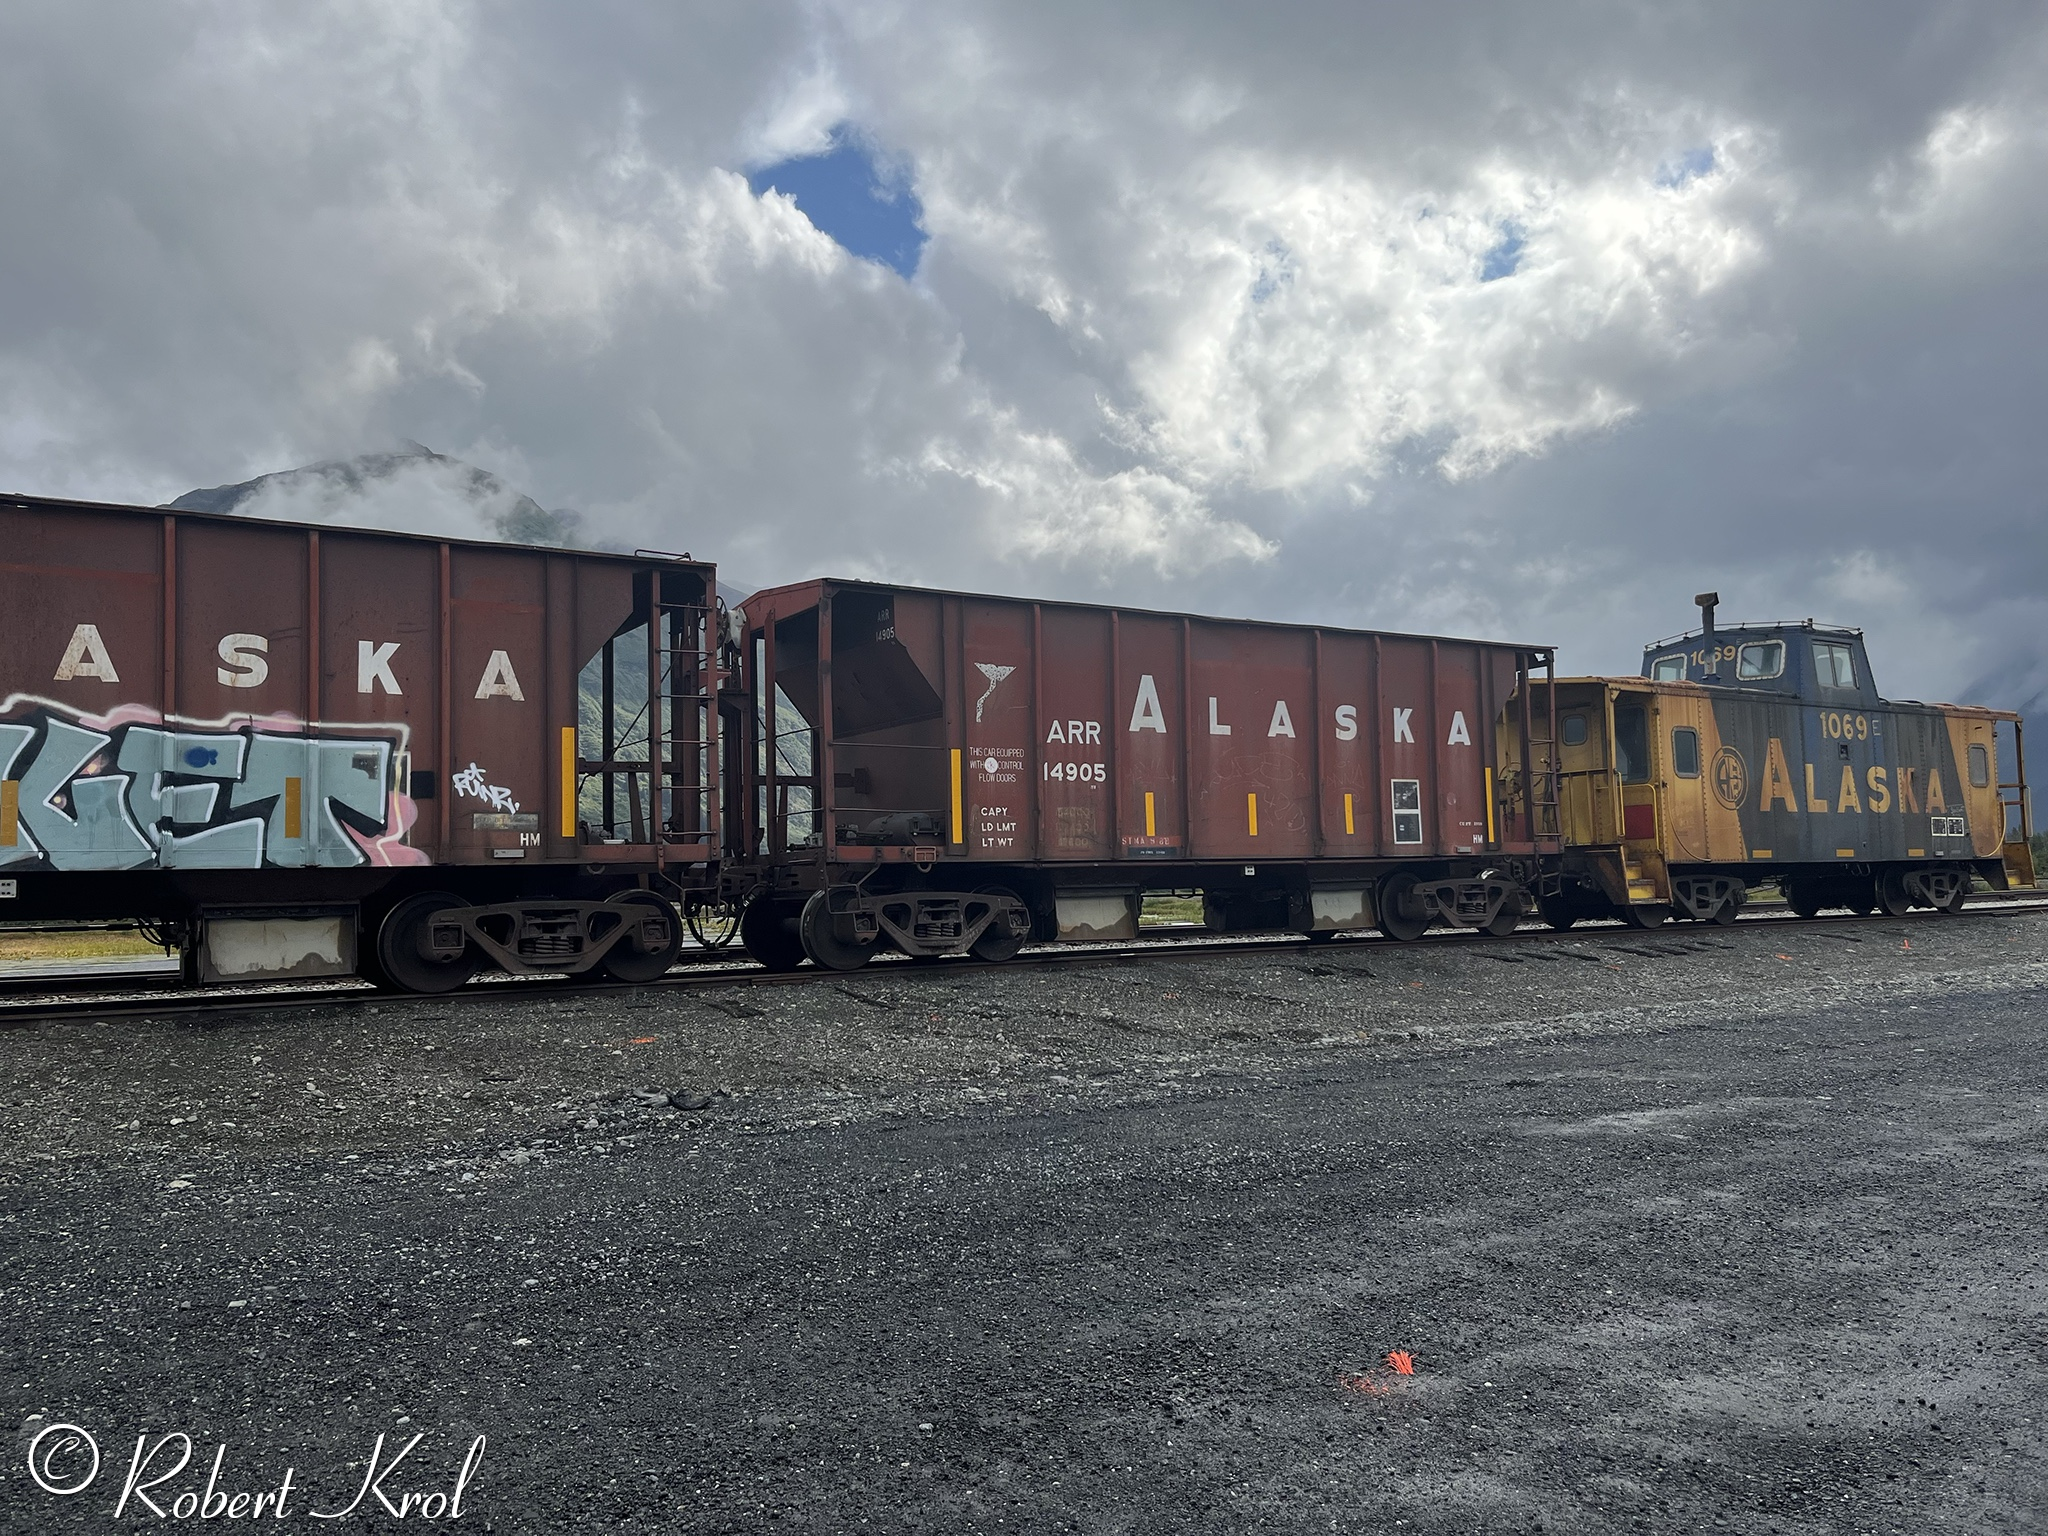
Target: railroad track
27,1003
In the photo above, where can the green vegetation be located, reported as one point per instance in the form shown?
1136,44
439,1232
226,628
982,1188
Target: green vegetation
1158,911
31,946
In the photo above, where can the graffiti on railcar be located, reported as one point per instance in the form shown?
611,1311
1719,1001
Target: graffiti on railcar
130,789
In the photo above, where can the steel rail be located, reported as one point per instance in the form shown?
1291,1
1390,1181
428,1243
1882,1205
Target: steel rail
179,1001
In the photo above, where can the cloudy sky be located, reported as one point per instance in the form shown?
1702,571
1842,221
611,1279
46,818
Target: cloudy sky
1523,320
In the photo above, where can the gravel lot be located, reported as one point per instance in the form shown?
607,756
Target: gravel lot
1703,1229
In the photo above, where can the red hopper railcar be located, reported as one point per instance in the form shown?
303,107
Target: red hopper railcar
940,772
306,750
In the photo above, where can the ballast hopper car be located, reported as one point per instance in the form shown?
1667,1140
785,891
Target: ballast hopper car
940,772
304,750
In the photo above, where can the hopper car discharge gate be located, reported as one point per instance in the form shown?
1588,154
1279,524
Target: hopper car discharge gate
307,750
942,773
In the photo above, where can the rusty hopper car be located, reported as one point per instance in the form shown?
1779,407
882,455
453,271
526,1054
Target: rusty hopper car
307,750
1764,754
940,772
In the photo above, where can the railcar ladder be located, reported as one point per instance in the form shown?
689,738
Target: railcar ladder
682,726
1542,766
2017,812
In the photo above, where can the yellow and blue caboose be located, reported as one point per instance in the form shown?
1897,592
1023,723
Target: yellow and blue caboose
1764,753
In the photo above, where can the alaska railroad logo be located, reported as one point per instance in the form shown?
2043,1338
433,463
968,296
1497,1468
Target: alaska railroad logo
1731,778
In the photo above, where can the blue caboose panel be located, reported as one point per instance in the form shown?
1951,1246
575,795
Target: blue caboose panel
1797,659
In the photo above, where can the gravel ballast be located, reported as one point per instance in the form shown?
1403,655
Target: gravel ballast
1695,1229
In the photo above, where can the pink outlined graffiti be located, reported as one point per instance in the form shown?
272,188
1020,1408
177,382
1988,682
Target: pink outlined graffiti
130,789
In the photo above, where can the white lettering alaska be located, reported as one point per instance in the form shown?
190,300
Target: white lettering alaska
499,680
1347,722
1216,727
1459,735
1402,730
1283,723
1146,715
246,667
373,666
86,656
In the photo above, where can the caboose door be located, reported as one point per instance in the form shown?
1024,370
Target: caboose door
1681,787
1587,789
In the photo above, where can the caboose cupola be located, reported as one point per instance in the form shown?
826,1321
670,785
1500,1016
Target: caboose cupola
1802,659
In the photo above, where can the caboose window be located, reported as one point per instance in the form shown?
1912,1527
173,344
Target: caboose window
1833,666
1980,767
1407,810
1670,669
1760,659
1685,752
1574,729
1632,743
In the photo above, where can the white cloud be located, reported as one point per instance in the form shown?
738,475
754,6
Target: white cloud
1201,322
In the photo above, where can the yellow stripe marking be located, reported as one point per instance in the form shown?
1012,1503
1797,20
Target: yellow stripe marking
1759,853
569,781
959,832
1350,825
1845,853
1489,806
10,813
1916,853
1251,811
292,807
1151,827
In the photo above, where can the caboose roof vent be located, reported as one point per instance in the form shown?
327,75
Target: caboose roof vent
1707,601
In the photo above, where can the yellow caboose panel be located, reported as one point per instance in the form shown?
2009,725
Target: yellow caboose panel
1764,754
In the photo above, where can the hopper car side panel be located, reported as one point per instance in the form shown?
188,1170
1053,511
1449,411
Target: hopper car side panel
1058,747
200,711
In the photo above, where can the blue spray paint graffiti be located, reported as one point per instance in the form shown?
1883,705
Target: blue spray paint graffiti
128,790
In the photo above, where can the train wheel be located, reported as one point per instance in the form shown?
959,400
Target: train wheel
997,947
1726,913
1557,914
1507,919
1400,909
633,958
403,946
1802,896
1862,898
1892,895
825,947
1645,915
769,936
1959,895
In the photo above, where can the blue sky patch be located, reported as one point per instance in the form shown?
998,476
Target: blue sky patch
1505,256
1689,166
848,197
